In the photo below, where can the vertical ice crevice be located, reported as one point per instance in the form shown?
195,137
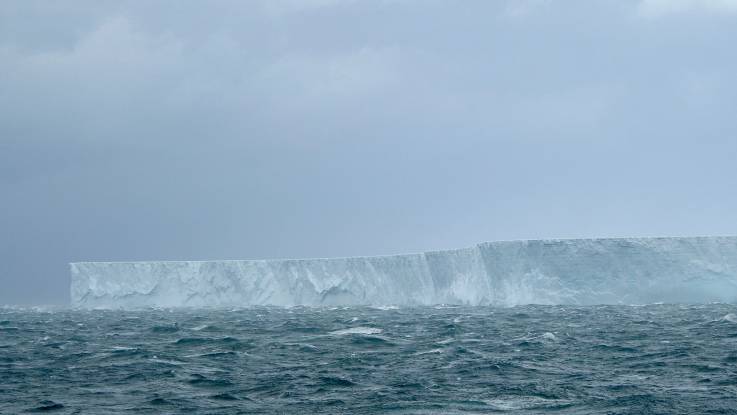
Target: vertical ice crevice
576,271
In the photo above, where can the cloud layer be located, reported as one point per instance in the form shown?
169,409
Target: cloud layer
170,130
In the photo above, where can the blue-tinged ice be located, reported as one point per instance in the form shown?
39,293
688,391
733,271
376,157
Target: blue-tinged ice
575,271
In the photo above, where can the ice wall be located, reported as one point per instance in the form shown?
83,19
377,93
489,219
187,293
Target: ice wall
575,271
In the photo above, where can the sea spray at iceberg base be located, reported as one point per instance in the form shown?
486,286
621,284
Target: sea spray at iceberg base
574,271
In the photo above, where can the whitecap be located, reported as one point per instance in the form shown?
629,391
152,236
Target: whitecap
356,330
385,307
731,317
123,348
549,336
436,351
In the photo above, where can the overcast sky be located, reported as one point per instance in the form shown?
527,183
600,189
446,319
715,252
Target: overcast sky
266,129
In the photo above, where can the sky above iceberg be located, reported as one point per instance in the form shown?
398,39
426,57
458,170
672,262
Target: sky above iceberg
320,128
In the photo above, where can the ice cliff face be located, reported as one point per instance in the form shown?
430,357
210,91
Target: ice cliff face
583,271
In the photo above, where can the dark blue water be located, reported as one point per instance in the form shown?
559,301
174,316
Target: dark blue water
659,359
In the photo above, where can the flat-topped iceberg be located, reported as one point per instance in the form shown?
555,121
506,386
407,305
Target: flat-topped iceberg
560,271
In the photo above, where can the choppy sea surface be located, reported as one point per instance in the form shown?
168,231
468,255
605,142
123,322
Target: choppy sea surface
657,359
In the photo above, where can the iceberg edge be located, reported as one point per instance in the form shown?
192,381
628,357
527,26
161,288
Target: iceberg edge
505,273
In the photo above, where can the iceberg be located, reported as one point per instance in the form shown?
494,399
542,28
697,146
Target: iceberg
508,273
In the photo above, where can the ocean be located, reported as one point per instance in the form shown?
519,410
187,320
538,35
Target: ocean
655,359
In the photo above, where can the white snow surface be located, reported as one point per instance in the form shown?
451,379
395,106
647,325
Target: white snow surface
560,271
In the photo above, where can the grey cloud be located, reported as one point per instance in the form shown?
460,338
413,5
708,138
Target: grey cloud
177,130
